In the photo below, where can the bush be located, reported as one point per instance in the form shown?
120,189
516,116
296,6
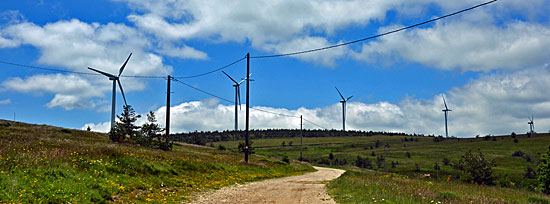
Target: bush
221,147
408,154
446,161
475,168
331,156
285,159
250,148
513,135
518,154
515,140
544,173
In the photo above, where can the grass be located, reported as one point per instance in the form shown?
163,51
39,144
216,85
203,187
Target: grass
424,153
44,164
402,183
366,186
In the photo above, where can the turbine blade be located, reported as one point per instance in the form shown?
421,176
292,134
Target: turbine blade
348,98
340,94
239,96
124,65
444,102
122,91
230,77
101,72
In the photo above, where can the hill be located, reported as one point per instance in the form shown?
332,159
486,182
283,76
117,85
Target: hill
403,160
40,163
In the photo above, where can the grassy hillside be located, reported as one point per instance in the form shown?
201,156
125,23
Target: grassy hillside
365,186
41,163
424,152
403,182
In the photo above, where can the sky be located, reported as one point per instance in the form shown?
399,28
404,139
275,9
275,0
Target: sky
492,63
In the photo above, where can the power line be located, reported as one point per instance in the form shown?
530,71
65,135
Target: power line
210,72
372,37
258,109
315,124
74,72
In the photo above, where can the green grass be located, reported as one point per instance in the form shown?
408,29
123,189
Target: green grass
44,164
425,152
403,184
365,186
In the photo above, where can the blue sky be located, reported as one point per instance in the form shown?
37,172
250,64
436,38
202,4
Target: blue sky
491,63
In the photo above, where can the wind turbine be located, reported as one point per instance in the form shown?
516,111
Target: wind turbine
237,99
445,110
115,79
343,101
531,124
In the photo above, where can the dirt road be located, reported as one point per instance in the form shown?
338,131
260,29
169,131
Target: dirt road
307,188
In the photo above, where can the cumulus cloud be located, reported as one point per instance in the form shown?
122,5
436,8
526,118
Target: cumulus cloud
75,45
492,104
70,91
465,46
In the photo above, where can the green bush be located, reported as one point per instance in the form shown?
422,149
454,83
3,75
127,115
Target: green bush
474,167
285,159
544,173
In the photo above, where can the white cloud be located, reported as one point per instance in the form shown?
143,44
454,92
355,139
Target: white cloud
101,127
465,46
492,104
70,91
5,101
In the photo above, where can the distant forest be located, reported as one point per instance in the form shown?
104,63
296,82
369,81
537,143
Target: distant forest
215,136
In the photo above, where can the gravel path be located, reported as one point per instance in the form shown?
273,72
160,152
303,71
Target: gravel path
307,188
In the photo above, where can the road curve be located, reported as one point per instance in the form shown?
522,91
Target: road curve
307,188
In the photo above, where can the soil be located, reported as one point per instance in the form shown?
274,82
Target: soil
307,188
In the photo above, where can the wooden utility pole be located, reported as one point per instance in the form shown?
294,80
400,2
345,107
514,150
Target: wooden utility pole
168,107
247,106
301,135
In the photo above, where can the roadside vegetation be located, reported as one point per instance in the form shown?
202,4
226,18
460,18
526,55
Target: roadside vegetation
516,163
44,164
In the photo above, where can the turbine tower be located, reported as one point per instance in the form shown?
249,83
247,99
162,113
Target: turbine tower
343,101
237,99
445,111
531,124
115,79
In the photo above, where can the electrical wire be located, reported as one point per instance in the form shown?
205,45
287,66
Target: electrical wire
210,72
372,37
315,124
75,72
257,109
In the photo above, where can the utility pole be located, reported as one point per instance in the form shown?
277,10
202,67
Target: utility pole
168,107
247,106
301,135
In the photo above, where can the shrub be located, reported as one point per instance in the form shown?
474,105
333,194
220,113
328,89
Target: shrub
513,135
416,168
221,147
250,148
518,153
331,156
515,140
474,167
408,154
530,173
544,173
446,161
373,154
363,162
290,143
285,159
